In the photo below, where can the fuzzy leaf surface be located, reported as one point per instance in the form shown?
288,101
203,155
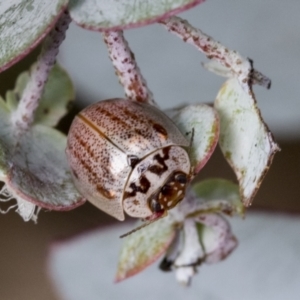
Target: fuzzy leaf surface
143,247
23,24
245,139
33,165
204,120
39,172
103,14
57,95
220,195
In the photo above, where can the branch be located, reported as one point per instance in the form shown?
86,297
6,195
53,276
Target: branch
23,117
127,70
231,60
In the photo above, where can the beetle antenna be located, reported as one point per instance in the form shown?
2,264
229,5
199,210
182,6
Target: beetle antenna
144,225
137,228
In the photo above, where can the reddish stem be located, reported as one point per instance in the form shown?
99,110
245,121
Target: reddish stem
232,60
127,70
23,117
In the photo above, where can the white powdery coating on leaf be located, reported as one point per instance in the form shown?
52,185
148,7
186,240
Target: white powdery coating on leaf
103,14
244,138
144,246
217,195
34,167
204,120
40,173
23,23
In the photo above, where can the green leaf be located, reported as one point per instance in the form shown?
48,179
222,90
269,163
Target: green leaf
220,195
103,14
145,246
54,103
56,98
23,24
204,120
245,140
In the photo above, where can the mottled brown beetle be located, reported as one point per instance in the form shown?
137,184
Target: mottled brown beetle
128,156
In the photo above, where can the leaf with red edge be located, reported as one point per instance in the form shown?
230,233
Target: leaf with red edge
39,172
33,166
204,120
102,14
245,139
144,247
23,24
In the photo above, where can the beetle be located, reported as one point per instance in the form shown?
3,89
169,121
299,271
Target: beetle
127,156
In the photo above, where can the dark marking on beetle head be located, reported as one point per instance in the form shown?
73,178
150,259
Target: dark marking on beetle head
143,187
133,160
161,166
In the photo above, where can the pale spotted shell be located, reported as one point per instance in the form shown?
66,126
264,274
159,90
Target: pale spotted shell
111,147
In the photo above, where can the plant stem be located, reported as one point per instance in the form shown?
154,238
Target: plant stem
241,67
127,70
23,117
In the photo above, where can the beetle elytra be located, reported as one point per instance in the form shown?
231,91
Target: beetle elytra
128,156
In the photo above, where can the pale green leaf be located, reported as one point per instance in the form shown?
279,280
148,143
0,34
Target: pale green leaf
39,172
219,195
34,167
145,246
57,96
204,121
103,14
54,103
23,24
245,140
